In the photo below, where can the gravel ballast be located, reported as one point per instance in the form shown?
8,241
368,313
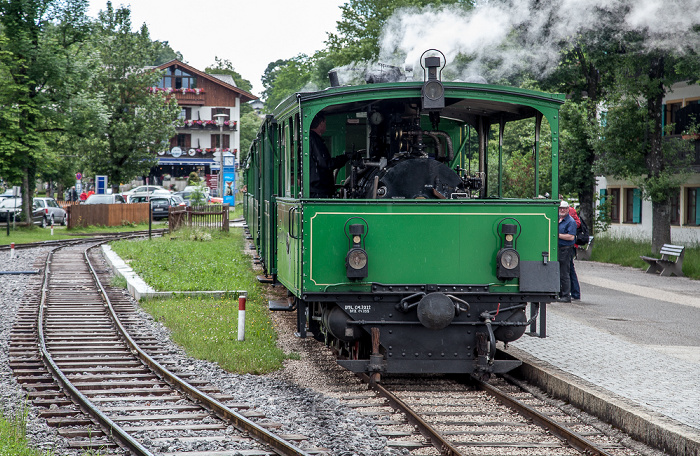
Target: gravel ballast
300,396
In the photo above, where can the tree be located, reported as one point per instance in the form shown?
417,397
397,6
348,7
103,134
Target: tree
284,77
361,24
139,122
647,63
40,74
250,124
224,66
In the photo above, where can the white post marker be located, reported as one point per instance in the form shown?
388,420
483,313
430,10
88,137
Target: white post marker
12,248
51,227
241,318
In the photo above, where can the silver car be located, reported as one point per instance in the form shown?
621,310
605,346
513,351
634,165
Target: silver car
53,213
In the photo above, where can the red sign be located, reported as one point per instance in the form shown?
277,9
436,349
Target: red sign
212,180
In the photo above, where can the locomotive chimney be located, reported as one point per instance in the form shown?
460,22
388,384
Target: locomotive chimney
333,78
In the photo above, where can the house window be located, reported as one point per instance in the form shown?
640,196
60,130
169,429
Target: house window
226,140
183,141
676,210
671,109
692,208
175,78
215,111
185,114
633,206
614,205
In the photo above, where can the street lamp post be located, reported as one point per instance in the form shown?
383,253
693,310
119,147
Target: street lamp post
220,118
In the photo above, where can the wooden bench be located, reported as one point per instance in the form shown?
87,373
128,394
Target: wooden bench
583,252
670,263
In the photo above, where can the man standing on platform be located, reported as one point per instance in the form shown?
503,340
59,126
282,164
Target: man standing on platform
567,236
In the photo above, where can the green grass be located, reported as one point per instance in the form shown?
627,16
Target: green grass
23,235
207,328
13,440
626,252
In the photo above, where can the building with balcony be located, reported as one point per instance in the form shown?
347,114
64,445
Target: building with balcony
631,216
208,123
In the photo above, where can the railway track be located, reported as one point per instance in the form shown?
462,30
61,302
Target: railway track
445,416
97,376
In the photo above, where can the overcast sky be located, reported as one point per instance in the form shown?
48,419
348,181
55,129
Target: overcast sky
249,33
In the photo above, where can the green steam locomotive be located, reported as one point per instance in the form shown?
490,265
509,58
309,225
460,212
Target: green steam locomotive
427,249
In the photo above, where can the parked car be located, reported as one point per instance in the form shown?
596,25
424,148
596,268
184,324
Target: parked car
53,213
179,200
203,188
186,196
153,189
7,194
104,199
159,204
11,209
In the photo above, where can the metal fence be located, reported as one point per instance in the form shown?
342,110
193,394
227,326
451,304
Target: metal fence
210,216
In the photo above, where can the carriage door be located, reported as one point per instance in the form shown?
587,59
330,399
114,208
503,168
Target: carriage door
270,164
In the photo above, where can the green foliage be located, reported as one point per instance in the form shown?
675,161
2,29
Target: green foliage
360,27
23,235
193,178
39,45
139,122
13,431
284,77
624,146
626,252
519,160
249,126
197,198
224,66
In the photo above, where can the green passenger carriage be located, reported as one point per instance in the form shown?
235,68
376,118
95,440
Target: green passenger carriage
426,255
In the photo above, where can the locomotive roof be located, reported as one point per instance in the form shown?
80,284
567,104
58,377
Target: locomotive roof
462,100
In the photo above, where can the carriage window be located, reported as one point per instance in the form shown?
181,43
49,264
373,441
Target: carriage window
287,144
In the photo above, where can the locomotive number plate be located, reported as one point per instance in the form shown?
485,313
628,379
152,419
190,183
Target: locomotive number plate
354,309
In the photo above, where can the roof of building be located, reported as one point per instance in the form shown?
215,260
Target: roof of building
217,79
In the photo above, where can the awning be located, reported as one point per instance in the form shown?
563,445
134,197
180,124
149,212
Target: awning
186,161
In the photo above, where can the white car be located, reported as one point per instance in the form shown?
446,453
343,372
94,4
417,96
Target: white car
191,188
152,189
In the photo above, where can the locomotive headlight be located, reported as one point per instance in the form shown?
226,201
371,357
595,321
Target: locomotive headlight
508,259
433,90
356,260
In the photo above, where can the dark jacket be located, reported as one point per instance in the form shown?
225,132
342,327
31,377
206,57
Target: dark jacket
322,182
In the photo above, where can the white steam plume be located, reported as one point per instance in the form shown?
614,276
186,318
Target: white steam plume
481,36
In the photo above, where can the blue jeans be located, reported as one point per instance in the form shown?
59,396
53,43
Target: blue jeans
575,288
566,255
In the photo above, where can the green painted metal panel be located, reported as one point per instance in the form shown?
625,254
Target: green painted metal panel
421,243
289,244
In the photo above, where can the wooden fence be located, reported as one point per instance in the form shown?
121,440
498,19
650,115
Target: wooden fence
210,216
83,215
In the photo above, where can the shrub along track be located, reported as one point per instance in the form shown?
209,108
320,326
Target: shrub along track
71,350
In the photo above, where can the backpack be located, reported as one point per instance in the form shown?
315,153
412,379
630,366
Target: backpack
582,233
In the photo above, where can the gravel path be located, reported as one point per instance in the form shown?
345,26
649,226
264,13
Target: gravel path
294,396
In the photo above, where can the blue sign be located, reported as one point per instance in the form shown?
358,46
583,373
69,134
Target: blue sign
229,170
101,185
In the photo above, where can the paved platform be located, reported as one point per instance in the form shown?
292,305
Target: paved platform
635,337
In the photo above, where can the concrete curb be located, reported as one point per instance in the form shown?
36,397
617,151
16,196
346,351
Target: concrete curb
651,428
139,289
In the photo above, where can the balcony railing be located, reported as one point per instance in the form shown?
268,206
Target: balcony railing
207,124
